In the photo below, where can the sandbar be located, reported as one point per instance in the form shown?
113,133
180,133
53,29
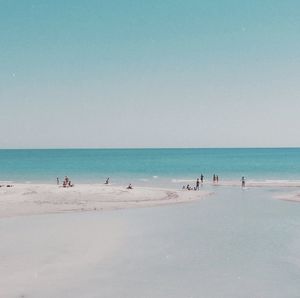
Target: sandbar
30,199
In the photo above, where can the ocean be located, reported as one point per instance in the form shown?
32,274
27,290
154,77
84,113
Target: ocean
148,166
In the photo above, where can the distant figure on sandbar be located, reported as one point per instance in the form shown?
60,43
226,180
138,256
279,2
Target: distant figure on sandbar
201,178
129,186
67,182
243,181
107,181
57,180
197,184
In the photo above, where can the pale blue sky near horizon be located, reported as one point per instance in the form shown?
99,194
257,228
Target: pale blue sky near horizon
135,73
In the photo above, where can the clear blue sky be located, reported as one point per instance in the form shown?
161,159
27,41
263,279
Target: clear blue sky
149,73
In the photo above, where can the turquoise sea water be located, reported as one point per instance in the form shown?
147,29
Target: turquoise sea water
150,166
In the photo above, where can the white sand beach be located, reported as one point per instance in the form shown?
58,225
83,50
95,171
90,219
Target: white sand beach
29,199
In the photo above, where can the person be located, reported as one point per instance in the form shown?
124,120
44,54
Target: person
107,181
57,180
64,183
70,184
201,178
183,187
197,184
243,182
214,178
129,186
217,179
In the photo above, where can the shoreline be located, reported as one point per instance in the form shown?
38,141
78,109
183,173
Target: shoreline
174,184
249,183
42,198
290,197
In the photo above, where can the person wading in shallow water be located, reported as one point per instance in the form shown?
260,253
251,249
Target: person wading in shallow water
201,178
243,181
197,184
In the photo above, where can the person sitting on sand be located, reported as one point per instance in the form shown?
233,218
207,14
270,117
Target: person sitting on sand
129,186
107,181
64,183
70,184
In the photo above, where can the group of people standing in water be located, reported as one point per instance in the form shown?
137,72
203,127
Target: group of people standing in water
215,181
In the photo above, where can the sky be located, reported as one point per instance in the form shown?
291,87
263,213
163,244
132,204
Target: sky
159,73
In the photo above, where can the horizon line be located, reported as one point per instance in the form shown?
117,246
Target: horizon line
146,148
